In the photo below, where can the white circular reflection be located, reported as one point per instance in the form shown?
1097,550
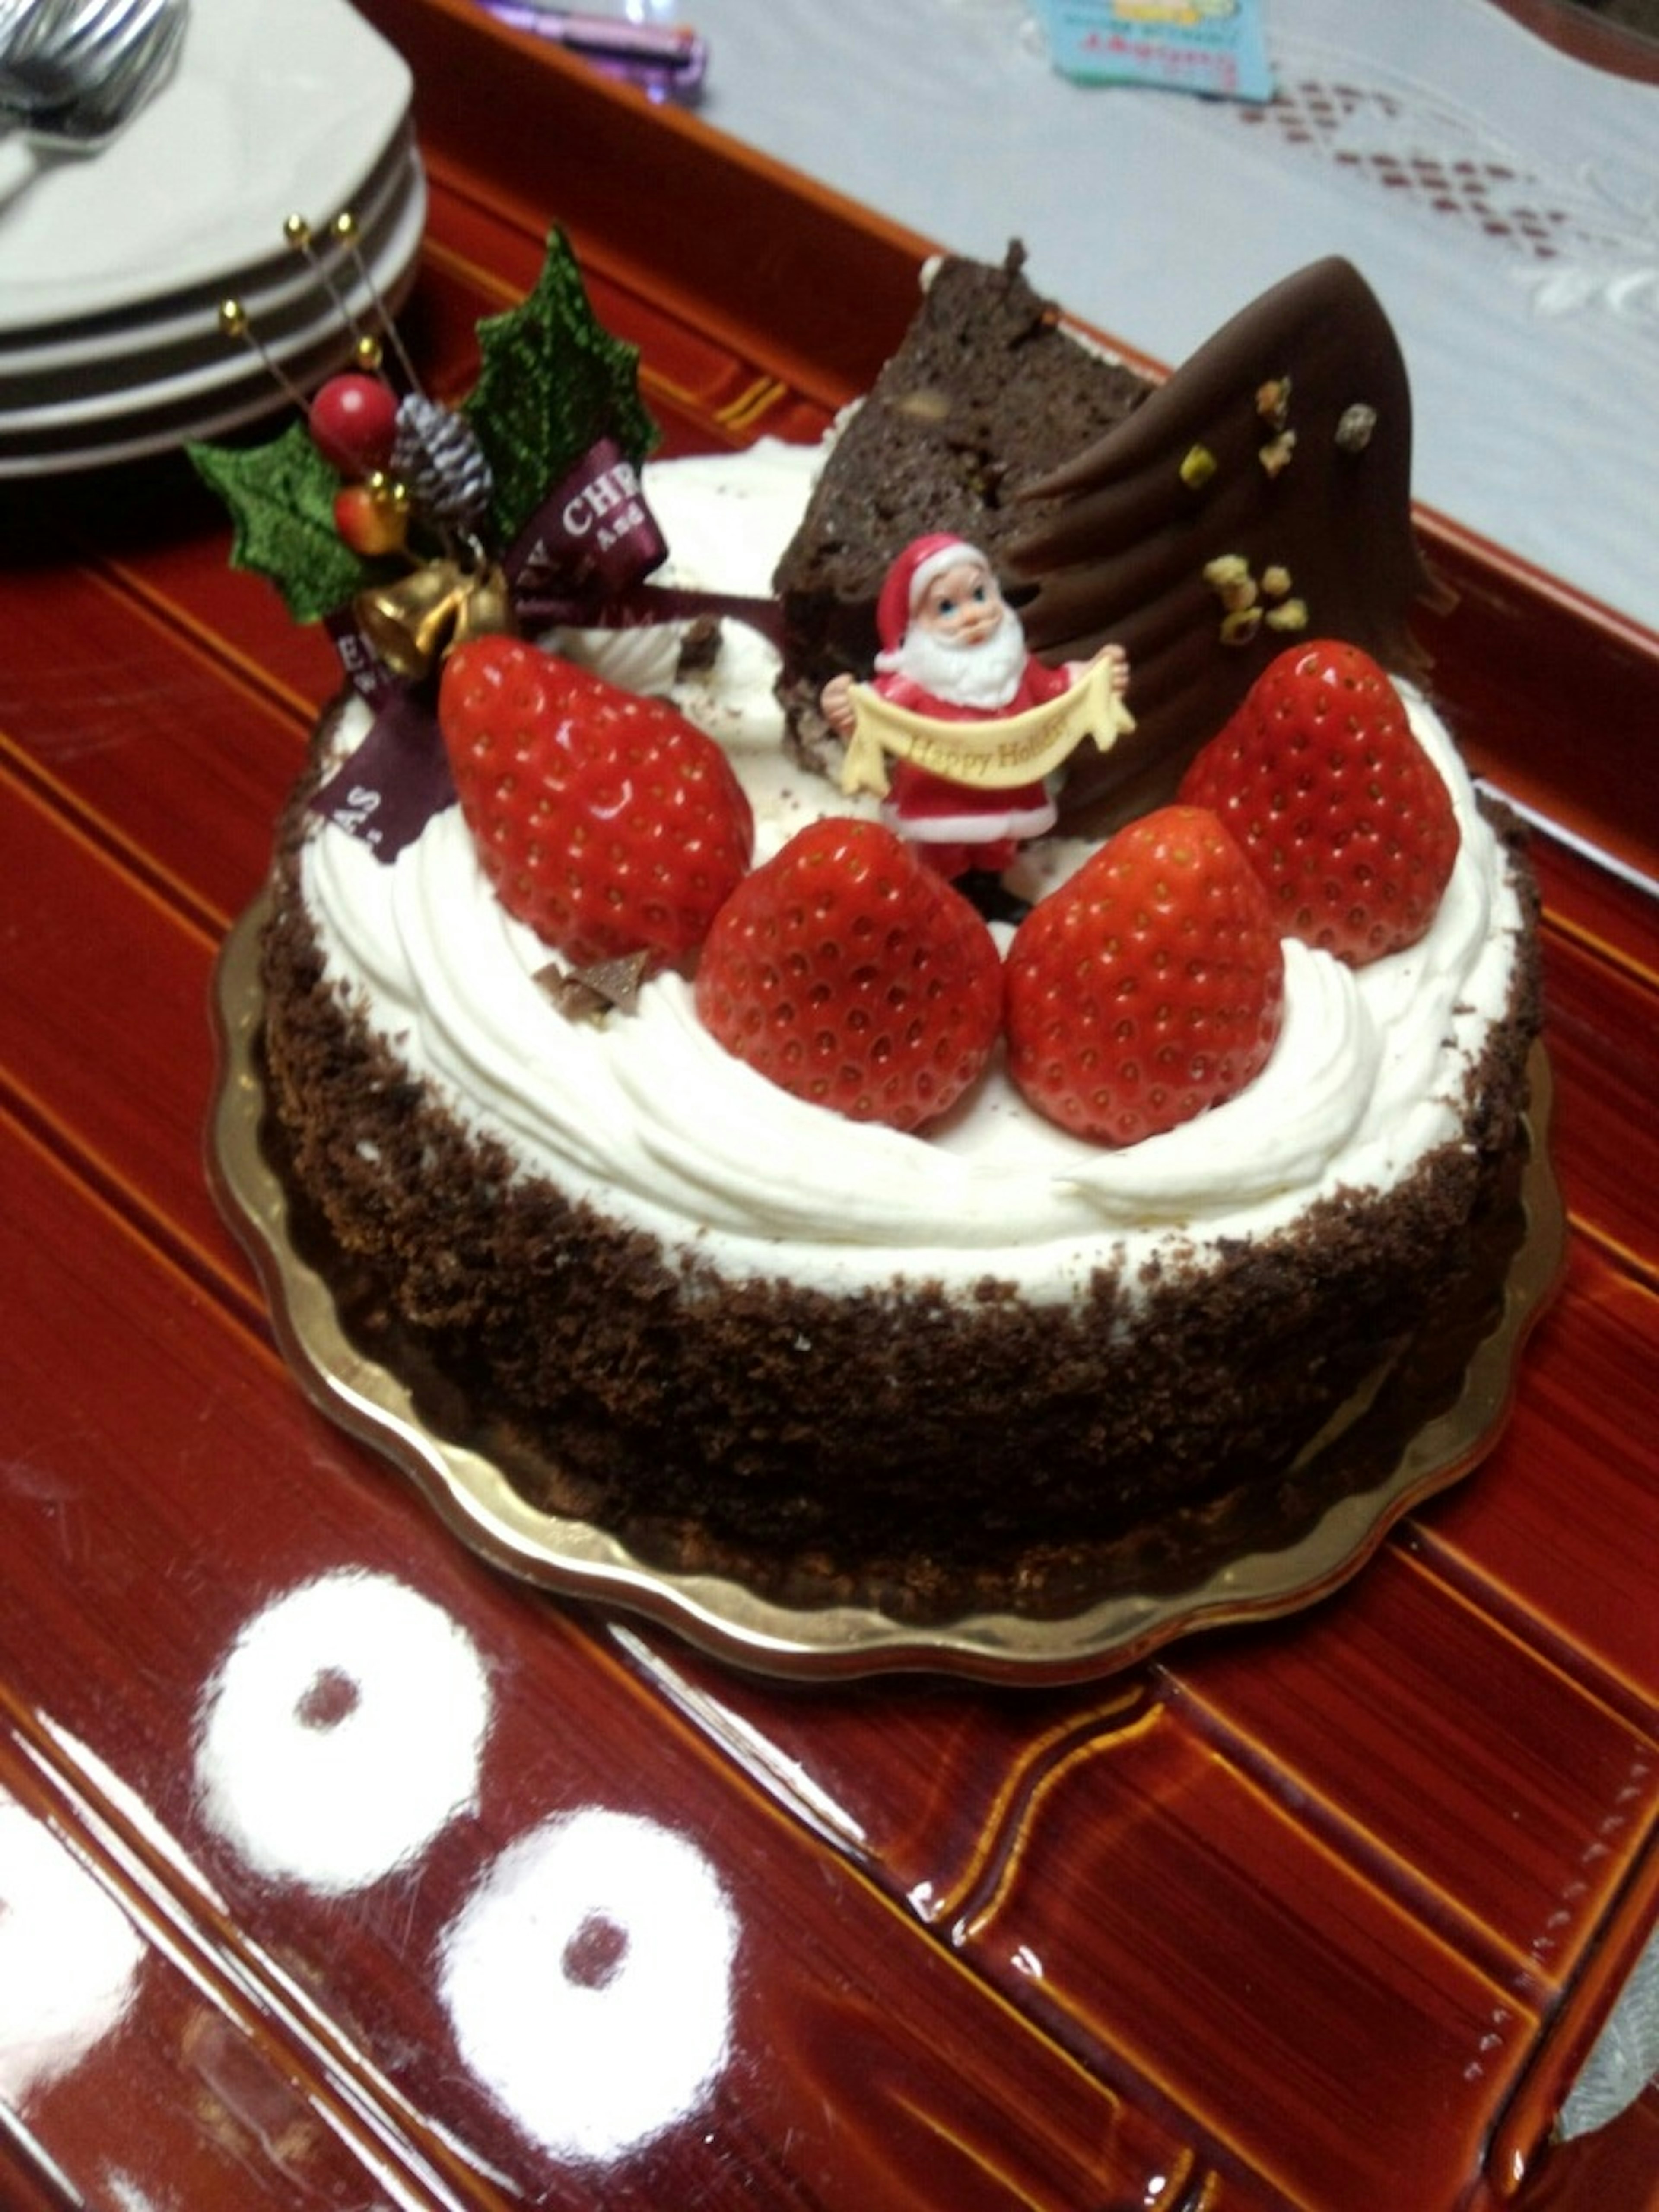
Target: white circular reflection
588,1980
343,1731
68,1956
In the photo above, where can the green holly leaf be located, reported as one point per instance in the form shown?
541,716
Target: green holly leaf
281,498
552,380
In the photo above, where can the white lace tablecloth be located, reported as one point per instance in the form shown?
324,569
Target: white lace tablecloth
1502,198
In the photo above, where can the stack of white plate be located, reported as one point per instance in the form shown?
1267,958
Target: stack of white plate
113,267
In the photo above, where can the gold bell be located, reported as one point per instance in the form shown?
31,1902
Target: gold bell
407,622
486,609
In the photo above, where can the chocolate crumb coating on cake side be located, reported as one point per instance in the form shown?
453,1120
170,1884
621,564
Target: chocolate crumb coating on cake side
944,1436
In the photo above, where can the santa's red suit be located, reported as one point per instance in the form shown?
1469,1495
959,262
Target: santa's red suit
930,810
959,825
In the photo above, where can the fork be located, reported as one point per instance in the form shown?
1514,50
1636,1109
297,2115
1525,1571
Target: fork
72,85
62,51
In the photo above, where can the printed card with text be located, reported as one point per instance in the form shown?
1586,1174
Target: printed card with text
1217,47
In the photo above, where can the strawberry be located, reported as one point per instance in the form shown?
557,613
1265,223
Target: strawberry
855,976
1339,809
605,822
1147,988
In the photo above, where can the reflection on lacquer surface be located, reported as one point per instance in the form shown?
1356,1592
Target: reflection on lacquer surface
588,1980
342,1730
69,1957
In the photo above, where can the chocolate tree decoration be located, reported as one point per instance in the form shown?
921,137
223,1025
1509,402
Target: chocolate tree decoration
985,393
1264,491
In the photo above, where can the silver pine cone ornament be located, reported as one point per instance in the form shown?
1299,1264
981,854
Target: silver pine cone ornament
437,457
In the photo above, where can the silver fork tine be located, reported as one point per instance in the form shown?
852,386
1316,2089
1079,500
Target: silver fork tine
144,56
27,25
115,74
105,29
89,42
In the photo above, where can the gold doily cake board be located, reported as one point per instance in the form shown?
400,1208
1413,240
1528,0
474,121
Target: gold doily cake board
1417,1426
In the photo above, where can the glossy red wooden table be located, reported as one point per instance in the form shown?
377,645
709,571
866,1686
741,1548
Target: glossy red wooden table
337,1869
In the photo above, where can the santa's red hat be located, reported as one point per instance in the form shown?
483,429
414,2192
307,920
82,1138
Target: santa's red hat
909,577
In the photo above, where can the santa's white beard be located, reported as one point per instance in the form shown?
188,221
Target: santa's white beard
985,675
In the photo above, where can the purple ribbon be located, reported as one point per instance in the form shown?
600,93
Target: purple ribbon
590,540
582,560
390,788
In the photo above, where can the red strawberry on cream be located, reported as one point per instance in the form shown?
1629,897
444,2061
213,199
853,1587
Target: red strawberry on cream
1339,809
603,821
851,974
1150,987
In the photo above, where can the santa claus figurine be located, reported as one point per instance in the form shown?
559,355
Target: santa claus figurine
953,649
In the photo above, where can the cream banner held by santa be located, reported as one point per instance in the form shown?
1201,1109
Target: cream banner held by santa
995,755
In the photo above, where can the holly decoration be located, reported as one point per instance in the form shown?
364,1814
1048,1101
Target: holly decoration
281,498
552,379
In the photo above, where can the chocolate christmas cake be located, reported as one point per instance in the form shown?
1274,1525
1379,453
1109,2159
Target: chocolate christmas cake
845,1343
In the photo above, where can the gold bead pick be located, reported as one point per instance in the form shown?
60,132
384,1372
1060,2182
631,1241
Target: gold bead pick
300,236
369,349
346,234
234,324
385,490
342,234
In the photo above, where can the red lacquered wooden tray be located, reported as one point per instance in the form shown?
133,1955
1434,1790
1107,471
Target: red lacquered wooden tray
385,1878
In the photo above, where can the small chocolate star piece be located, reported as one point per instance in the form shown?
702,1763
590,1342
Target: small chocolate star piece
589,994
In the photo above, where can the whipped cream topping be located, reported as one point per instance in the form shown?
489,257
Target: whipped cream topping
654,1123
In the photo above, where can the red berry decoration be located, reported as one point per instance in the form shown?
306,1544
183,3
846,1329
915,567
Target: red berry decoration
353,422
371,518
606,822
1339,810
1148,988
853,976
